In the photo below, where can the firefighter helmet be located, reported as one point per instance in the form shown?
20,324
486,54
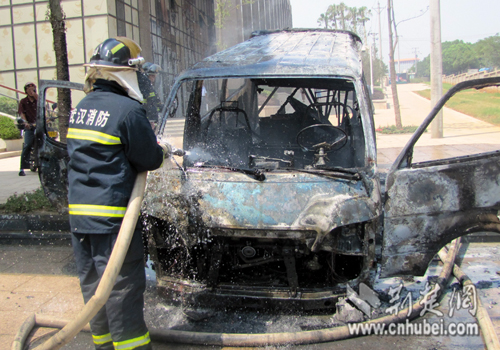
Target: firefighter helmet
151,68
119,52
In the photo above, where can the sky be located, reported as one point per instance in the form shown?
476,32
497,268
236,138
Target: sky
465,20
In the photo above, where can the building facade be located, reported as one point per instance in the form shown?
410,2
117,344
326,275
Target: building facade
172,33
404,64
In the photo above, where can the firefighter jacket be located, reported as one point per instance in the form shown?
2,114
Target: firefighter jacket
109,142
151,101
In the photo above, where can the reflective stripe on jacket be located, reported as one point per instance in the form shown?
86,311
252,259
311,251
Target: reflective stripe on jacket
109,141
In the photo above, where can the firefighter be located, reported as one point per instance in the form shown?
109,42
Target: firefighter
147,78
109,142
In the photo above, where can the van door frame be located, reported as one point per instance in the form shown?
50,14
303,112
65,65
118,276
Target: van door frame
428,204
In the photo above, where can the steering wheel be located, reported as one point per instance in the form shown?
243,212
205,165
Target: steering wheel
327,134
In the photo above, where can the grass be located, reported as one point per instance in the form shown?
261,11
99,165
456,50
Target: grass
408,129
27,202
481,104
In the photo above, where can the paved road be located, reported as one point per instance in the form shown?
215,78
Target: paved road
11,182
462,134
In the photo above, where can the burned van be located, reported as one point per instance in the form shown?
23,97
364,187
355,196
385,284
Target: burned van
274,198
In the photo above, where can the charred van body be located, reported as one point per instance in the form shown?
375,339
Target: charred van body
277,200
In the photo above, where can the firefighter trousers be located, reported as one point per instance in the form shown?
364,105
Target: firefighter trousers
120,322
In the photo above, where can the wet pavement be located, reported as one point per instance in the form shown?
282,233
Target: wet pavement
41,279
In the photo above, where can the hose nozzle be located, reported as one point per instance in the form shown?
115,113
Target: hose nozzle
178,152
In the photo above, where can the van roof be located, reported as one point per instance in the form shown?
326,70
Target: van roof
288,52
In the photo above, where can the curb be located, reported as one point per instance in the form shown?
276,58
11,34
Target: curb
35,229
34,223
10,154
35,239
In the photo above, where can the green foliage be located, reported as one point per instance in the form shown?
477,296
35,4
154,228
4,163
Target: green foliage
223,9
409,129
424,67
8,129
379,67
27,202
459,56
488,51
8,106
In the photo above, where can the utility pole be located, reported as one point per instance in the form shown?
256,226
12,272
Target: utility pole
436,67
379,10
374,46
399,57
416,60
371,70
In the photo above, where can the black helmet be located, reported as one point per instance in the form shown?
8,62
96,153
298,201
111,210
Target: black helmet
151,68
116,52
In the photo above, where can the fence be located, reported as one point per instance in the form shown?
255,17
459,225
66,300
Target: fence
455,79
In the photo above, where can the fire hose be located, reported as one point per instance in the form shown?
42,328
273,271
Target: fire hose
108,279
70,329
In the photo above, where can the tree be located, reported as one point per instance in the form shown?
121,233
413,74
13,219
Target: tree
392,67
332,13
223,11
458,57
324,19
354,19
424,67
342,11
379,68
57,20
364,16
347,18
488,51
352,16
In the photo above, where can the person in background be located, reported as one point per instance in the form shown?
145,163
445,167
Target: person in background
147,79
27,112
109,142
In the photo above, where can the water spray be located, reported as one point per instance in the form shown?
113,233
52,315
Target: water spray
267,339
